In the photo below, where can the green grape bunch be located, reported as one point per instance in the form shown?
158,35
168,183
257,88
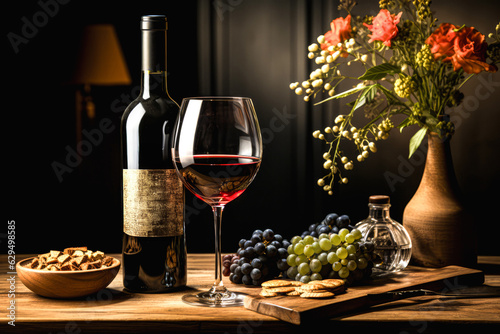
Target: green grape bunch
343,254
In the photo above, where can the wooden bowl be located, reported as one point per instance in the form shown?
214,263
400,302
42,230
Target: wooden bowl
66,284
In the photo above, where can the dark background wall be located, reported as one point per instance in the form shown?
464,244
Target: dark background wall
252,48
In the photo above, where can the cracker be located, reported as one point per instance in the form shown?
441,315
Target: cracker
266,293
280,289
326,288
311,286
332,282
293,293
338,289
334,285
297,283
276,283
318,295
299,289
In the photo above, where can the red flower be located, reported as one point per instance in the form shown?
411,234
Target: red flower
384,27
341,31
464,47
470,52
442,41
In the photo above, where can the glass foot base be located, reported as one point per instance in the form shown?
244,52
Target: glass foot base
214,299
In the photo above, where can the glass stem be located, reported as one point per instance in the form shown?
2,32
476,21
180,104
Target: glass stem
218,284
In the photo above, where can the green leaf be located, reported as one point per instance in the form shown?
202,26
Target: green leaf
342,95
379,71
416,140
348,92
368,93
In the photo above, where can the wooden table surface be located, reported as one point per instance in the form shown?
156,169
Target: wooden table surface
114,311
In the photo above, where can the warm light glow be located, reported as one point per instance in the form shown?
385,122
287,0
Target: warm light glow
100,59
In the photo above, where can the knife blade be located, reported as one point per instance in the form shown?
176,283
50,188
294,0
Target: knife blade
483,291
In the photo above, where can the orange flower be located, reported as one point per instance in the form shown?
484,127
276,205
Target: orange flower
470,52
341,31
442,41
384,27
463,47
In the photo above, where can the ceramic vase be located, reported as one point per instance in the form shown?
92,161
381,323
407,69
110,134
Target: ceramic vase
441,229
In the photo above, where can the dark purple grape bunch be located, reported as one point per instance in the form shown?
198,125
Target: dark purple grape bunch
227,261
332,223
259,258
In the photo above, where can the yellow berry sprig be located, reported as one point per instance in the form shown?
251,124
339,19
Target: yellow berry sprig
335,160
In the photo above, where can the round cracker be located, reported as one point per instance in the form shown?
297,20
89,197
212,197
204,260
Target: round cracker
331,285
319,290
297,283
265,293
293,293
281,289
276,283
311,286
325,294
333,281
338,290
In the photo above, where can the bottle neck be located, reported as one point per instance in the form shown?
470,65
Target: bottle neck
379,211
153,84
154,63
154,50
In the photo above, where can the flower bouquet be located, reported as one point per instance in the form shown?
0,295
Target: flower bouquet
413,68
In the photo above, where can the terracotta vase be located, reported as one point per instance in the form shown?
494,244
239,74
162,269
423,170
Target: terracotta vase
441,229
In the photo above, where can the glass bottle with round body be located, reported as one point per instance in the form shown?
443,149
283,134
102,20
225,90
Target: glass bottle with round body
390,239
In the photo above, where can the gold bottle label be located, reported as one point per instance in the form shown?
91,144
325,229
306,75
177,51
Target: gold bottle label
153,203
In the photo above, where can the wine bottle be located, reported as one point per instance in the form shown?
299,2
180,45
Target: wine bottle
154,246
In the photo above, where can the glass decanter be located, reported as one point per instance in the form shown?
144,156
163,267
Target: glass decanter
391,240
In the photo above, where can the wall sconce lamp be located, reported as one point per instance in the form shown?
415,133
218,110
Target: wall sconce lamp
100,62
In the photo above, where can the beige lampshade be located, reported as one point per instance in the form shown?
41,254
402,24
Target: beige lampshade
100,59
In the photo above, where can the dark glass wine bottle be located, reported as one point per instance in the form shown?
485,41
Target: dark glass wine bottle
154,248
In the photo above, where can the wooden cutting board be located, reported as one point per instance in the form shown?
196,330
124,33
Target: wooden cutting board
297,310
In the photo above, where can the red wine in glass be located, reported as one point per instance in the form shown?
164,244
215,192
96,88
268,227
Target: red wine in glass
218,179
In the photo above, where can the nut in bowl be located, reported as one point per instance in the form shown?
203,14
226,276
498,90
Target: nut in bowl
72,273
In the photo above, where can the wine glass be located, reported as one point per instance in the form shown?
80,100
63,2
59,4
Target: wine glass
217,151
